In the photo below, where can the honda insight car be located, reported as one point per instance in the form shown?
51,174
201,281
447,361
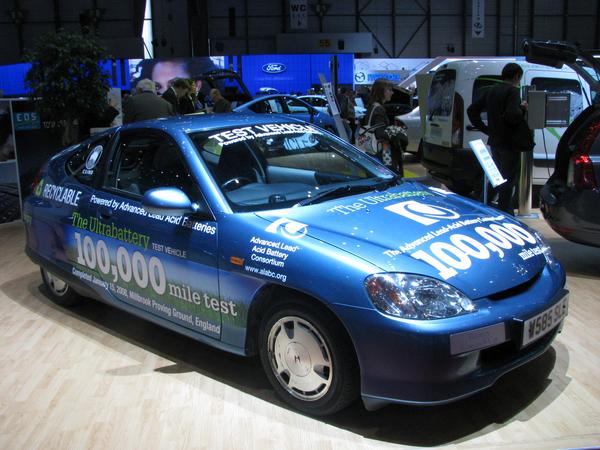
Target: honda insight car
264,235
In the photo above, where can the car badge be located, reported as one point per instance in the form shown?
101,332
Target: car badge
421,212
274,68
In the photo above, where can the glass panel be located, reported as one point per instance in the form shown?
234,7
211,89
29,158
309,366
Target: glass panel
556,85
144,162
441,94
481,86
270,166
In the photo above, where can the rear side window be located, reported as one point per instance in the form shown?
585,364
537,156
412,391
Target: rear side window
557,85
82,165
481,86
441,94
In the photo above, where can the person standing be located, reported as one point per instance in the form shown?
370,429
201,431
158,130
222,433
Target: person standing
187,102
392,139
351,113
344,104
505,124
178,88
220,103
145,104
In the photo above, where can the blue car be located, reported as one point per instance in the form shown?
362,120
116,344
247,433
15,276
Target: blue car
291,106
264,235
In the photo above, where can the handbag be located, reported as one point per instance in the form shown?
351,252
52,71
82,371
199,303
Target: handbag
365,137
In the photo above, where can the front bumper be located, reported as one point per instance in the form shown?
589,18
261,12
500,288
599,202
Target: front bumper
412,362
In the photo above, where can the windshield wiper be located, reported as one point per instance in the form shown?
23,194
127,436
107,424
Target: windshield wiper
347,189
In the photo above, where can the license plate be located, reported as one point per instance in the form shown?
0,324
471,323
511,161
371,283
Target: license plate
544,322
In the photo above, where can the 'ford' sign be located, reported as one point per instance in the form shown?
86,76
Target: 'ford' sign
273,68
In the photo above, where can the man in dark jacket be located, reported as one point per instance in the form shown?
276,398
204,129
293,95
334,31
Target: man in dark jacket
145,104
505,114
178,88
221,104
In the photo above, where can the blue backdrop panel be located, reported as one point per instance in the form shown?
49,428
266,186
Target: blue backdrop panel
299,72
12,76
12,79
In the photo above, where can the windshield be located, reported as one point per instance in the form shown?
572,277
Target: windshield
278,165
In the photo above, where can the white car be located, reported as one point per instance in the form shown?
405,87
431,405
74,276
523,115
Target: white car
412,122
320,103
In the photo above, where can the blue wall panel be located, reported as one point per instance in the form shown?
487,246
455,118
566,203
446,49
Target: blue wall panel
301,71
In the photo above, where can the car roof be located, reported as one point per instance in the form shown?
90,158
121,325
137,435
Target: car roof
205,122
494,66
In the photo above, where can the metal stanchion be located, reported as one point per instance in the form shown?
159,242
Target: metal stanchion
524,187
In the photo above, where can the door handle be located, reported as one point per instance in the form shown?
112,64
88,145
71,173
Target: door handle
104,212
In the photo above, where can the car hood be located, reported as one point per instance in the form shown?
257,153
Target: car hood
412,228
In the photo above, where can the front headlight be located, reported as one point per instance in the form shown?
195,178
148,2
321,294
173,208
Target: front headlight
416,297
546,250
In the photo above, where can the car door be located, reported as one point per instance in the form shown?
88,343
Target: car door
165,266
438,123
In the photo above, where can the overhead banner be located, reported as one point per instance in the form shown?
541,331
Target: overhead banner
298,14
478,19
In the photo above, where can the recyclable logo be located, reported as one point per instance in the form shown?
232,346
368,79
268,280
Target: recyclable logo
422,213
288,228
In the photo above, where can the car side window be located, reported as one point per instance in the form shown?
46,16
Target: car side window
295,106
144,161
276,107
481,86
82,165
261,107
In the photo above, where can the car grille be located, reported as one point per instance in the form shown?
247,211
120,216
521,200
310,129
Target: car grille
516,290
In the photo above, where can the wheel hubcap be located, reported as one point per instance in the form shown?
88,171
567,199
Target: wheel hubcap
58,286
300,358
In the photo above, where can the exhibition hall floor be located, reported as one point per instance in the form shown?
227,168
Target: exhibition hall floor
95,377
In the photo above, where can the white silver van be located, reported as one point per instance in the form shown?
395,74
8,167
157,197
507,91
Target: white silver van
455,85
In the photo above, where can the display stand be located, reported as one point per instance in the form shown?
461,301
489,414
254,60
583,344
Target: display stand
490,170
335,111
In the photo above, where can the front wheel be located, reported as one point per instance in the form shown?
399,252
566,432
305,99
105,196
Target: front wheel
61,293
307,359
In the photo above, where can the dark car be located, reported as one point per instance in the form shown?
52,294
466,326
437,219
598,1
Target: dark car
288,104
230,84
570,200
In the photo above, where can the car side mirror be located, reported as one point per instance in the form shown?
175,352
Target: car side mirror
168,201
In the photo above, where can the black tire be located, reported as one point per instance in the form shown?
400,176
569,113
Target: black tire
462,189
297,328
60,292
